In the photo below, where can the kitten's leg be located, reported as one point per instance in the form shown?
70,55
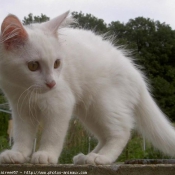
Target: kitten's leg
23,134
110,150
55,124
115,133
52,139
111,122
105,153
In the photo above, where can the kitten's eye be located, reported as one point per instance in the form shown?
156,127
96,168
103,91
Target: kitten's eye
33,65
56,64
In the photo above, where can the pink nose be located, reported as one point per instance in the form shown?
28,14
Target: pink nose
51,84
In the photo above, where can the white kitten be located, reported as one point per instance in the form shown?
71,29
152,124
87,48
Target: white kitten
46,76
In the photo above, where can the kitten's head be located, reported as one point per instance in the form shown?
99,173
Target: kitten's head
30,56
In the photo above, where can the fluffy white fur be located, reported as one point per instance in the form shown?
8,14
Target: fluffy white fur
95,80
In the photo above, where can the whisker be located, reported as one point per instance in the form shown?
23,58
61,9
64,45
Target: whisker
33,104
36,104
19,108
30,107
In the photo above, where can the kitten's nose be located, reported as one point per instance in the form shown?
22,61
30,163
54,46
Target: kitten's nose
51,84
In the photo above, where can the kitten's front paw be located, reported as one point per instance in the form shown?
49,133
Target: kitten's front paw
12,157
79,159
43,157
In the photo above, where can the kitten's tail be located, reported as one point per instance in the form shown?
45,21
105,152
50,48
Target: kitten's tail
154,125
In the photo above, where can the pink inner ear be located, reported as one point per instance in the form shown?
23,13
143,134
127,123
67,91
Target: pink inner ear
13,32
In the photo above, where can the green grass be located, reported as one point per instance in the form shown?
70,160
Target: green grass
135,150
3,143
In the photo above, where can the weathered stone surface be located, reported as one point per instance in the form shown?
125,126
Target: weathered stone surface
151,161
116,169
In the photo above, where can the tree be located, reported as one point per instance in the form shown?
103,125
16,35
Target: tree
35,19
89,22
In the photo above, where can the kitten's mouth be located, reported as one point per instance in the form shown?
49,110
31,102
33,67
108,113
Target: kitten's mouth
45,89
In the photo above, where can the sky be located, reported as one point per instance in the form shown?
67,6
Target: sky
108,10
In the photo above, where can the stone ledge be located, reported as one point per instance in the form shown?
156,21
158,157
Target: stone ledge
115,169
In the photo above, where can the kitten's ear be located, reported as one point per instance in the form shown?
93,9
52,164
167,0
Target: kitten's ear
53,25
13,33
